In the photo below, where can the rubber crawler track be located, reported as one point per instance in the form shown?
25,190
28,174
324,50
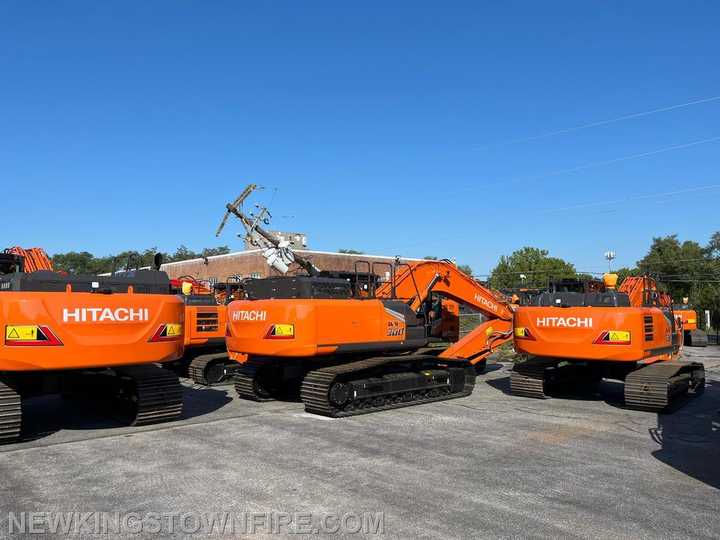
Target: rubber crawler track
246,381
10,413
527,379
654,387
197,370
158,391
315,389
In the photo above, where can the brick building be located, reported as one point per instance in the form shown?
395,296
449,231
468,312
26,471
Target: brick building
296,240
251,263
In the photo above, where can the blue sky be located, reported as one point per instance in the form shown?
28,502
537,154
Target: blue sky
389,127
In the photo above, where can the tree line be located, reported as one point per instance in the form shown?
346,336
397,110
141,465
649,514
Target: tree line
84,262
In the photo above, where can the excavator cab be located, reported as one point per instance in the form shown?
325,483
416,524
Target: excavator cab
11,263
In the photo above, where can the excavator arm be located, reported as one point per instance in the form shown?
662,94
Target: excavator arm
643,290
415,282
34,258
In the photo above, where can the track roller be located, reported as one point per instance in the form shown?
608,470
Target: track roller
148,394
378,384
655,387
211,369
10,412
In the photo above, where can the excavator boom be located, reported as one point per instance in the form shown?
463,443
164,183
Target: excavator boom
417,281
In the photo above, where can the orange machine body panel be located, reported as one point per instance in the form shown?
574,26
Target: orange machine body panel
319,327
449,320
585,333
688,317
205,325
94,330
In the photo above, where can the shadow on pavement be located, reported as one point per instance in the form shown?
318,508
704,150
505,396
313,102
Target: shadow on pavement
45,415
690,437
611,392
202,400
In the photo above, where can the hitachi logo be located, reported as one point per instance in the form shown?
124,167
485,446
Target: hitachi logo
485,302
565,322
105,314
252,315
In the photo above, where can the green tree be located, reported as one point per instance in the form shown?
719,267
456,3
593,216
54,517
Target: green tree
676,265
625,272
537,267
211,252
464,268
687,269
351,251
75,262
84,262
430,258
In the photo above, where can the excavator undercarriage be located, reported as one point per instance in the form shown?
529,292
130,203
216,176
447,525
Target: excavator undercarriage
652,388
363,386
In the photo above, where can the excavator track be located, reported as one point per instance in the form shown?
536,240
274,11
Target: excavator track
697,338
149,394
211,369
10,413
535,377
360,387
249,382
527,379
655,387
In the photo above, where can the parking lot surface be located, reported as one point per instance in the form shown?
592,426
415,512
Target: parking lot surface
489,465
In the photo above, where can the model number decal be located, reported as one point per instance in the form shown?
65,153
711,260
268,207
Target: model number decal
395,328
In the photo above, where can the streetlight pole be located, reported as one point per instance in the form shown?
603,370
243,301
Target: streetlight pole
610,256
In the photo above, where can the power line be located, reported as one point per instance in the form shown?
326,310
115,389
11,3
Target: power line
634,198
618,159
604,122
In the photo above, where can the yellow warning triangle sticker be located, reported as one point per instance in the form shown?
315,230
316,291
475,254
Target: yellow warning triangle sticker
14,334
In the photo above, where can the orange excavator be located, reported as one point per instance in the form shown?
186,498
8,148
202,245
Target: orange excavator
205,358
98,335
692,335
356,347
630,334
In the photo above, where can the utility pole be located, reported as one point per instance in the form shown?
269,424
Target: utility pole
610,256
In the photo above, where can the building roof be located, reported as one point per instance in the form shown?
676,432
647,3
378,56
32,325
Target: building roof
301,251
